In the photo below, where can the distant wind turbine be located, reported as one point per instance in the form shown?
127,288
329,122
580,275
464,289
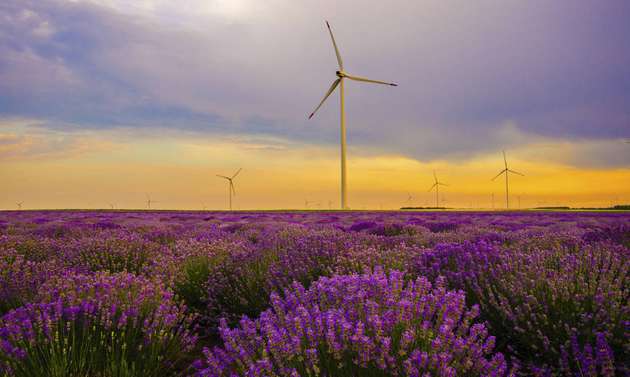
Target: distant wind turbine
437,185
19,205
341,75
409,198
506,171
149,201
111,206
231,189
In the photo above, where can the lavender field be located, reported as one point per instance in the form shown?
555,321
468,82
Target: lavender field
117,293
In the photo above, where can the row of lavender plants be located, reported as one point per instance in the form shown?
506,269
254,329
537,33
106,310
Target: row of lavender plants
314,294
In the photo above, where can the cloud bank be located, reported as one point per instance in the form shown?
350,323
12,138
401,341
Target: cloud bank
474,77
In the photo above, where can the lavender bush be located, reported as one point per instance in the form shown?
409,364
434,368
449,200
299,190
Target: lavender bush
241,282
349,325
21,278
561,310
96,325
113,252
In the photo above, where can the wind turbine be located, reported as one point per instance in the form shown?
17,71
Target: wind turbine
437,185
341,75
149,201
506,171
19,205
231,189
112,206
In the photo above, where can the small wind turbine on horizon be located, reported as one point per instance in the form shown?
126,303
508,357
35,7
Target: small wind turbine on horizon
437,185
112,206
149,201
341,75
231,189
19,205
409,199
506,171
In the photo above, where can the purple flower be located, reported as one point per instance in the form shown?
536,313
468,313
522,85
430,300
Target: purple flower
358,322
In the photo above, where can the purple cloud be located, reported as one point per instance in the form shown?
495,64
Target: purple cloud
465,69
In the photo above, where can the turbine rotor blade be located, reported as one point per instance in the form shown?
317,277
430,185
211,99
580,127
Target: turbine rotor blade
505,160
222,176
442,184
357,78
336,48
515,172
330,90
235,174
232,187
498,175
435,176
435,184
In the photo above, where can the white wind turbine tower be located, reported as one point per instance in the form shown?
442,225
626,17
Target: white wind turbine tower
507,172
341,75
231,189
437,185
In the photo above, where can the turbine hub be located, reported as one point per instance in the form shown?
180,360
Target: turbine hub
340,74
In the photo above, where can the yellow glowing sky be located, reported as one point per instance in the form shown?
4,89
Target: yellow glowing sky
45,169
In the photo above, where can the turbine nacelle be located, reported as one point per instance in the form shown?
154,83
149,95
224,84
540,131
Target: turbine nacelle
341,74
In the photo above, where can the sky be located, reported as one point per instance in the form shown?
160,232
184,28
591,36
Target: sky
107,102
